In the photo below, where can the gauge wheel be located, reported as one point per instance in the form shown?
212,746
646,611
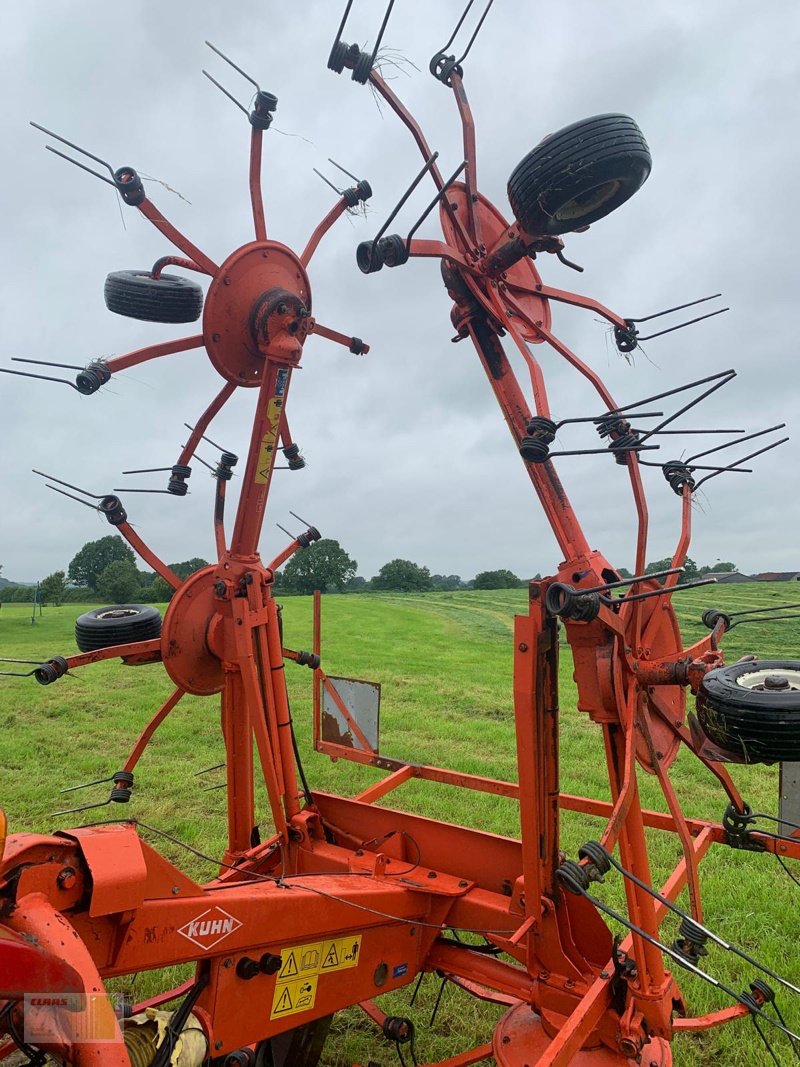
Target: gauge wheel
752,709
578,175
138,295
117,624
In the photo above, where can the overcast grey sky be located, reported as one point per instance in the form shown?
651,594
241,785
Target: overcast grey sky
407,452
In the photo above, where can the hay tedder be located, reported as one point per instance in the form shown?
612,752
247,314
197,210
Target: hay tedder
348,900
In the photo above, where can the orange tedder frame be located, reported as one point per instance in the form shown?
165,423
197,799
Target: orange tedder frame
348,900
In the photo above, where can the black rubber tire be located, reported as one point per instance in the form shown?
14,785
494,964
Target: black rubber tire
576,176
758,725
117,624
138,295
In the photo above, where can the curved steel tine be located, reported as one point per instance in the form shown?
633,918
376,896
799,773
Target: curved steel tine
83,166
222,89
739,441
680,325
77,488
72,496
744,459
40,377
71,144
230,62
464,14
380,33
475,33
678,307
442,192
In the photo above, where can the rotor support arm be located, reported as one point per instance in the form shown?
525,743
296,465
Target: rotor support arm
151,212
142,355
256,197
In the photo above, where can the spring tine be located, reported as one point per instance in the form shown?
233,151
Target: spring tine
284,530
17,674
308,525
435,1011
204,438
636,578
744,459
211,788
321,175
84,807
442,192
77,148
718,384
39,662
599,418
464,14
127,489
77,488
692,432
41,377
230,96
201,460
679,389
45,363
476,32
148,470
416,989
86,785
230,62
660,592
213,767
678,307
428,164
341,168
342,23
700,467
380,33
769,618
604,451
741,440
83,166
94,507
680,325
730,614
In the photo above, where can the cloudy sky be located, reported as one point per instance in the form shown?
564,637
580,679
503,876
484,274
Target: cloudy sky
407,452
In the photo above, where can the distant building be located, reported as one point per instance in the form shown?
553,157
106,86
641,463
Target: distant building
777,576
732,576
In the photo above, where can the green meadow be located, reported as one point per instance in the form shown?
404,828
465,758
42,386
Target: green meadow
444,662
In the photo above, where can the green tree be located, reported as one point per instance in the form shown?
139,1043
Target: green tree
623,572
188,567
502,579
446,582
403,576
118,583
87,566
52,588
159,591
721,568
690,570
324,565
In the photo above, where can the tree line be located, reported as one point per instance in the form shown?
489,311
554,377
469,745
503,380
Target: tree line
106,570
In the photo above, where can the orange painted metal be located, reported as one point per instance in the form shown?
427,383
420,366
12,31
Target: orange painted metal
348,899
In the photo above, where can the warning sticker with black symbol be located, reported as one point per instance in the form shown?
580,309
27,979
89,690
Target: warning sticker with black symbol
296,985
294,996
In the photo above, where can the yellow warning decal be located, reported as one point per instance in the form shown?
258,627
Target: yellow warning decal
267,449
296,995
296,986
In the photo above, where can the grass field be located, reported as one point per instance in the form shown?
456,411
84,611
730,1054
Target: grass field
444,661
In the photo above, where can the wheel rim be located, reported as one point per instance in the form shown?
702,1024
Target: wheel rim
776,680
118,613
589,201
